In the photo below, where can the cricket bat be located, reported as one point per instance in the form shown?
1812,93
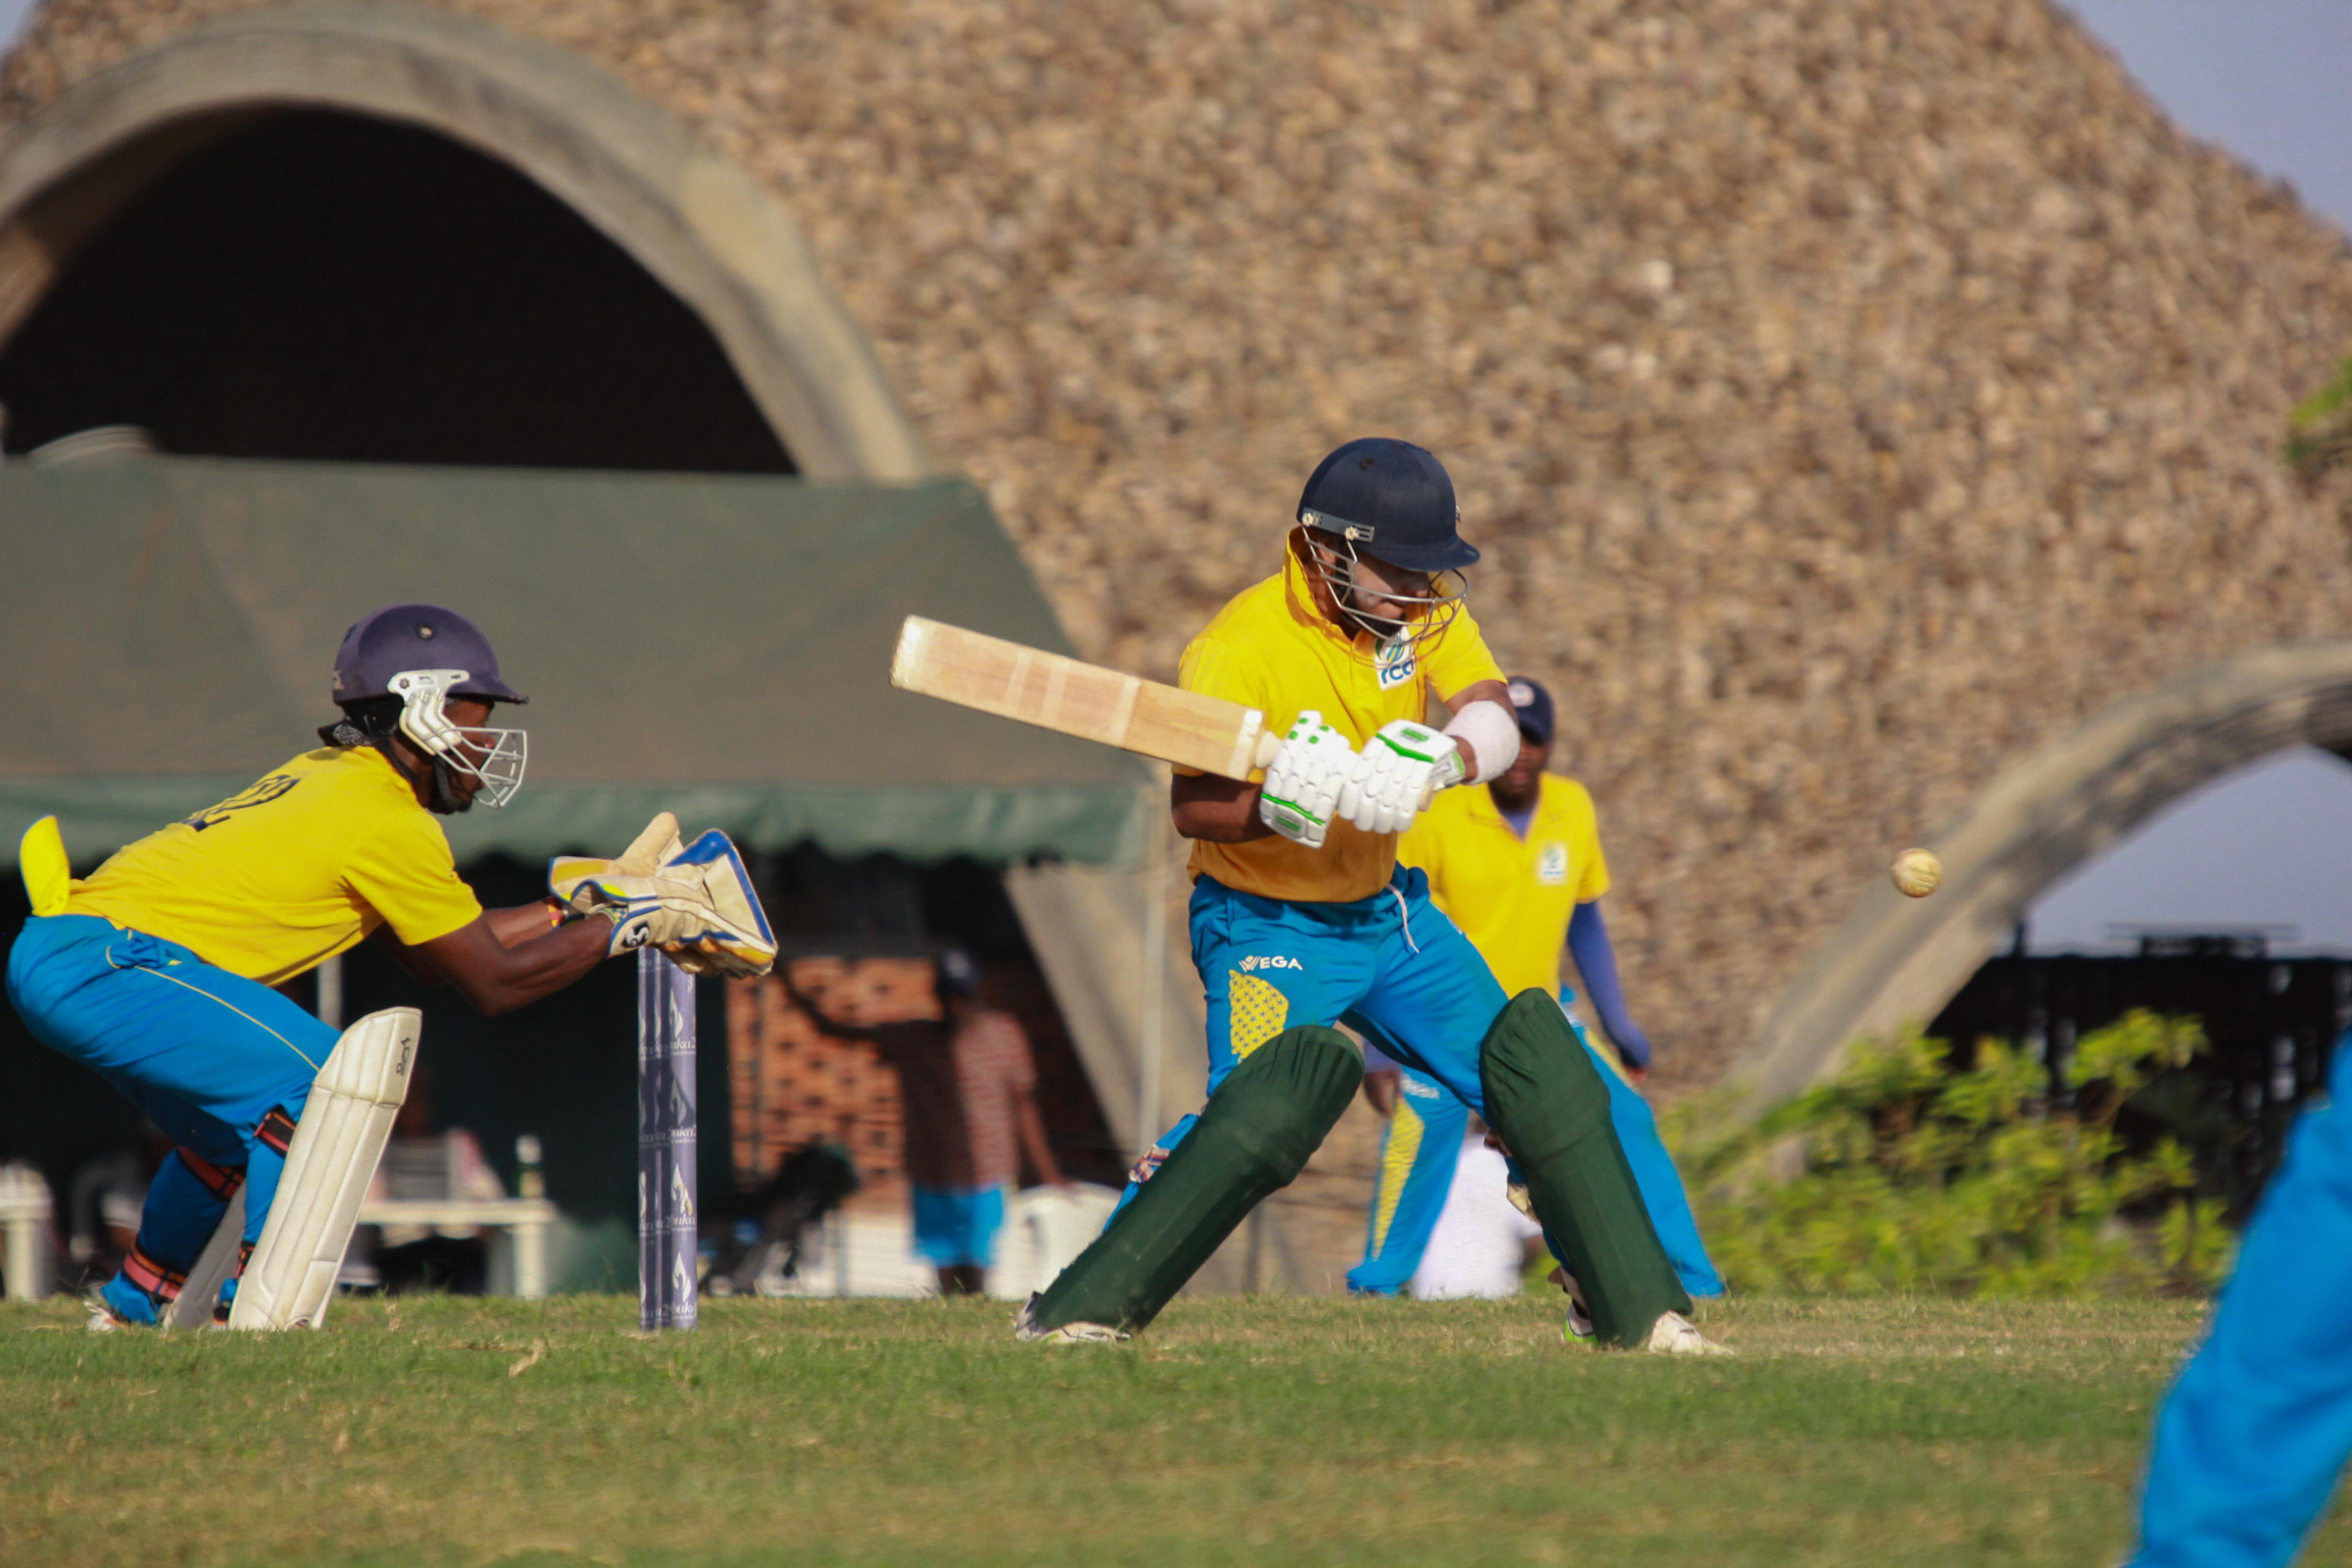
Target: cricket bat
1086,700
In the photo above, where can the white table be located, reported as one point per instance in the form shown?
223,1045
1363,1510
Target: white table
24,1211
517,1227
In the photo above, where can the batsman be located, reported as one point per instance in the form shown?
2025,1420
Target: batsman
1302,918
158,971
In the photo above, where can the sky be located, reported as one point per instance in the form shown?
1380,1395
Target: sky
2272,846
2264,79
2268,848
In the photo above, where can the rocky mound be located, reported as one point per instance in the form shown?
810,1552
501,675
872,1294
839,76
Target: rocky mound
1851,396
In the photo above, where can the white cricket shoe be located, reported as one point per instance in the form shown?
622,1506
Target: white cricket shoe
1674,1334
1026,1327
103,1319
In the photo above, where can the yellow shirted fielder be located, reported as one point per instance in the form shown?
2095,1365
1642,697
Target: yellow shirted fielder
157,971
1301,918
1518,866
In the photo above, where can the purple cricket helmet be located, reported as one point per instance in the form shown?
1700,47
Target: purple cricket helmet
401,638
422,654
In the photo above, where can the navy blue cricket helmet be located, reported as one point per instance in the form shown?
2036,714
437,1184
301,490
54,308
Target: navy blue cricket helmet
1393,500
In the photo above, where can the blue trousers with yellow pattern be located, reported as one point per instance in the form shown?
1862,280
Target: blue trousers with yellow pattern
222,1064
1425,1141
1392,963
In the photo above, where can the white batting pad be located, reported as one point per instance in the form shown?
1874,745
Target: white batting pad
291,1276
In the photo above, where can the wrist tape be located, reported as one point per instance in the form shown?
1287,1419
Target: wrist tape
1492,732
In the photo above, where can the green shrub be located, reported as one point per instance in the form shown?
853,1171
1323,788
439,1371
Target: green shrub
2320,431
1918,1175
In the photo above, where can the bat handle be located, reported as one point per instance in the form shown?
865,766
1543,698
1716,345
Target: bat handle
1268,742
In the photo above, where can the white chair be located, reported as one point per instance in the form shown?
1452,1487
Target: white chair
25,1218
1045,1228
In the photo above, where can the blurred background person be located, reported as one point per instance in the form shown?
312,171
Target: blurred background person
969,1089
1517,867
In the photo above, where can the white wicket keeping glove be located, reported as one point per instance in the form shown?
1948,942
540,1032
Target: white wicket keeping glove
734,939
567,875
1312,779
1405,765
695,902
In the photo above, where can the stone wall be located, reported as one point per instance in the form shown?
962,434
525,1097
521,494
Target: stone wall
1851,396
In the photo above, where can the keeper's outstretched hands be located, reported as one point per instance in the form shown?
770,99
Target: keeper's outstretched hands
1405,765
1313,778
695,902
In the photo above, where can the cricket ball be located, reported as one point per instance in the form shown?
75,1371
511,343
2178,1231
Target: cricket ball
1915,873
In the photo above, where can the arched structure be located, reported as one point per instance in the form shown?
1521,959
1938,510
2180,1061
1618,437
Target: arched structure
1896,960
1852,397
696,222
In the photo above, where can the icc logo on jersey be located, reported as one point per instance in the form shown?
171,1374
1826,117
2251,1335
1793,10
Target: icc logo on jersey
1395,663
1551,865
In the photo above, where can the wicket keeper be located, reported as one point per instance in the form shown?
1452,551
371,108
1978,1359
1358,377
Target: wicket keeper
158,970
1302,918
1518,866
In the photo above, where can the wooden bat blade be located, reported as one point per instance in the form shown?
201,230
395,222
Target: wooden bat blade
1053,692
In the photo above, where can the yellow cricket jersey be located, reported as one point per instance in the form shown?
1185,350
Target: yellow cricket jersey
1511,896
277,880
1271,649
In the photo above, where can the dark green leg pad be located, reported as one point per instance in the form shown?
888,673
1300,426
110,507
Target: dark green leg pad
1255,1136
1546,1100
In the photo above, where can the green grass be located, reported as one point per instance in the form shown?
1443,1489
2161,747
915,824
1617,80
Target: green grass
1258,1431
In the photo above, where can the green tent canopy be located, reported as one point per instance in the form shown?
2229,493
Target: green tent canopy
713,644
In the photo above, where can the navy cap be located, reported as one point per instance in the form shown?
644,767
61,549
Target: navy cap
1532,706
1392,499
417,637
955,974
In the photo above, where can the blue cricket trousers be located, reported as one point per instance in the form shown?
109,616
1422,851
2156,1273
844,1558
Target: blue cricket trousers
1390,964
2253,1436
1425,1141
222,1064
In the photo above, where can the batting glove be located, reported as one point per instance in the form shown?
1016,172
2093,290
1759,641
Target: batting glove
1405,765
1313,778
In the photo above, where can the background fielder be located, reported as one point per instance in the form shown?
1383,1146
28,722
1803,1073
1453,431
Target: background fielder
1518,866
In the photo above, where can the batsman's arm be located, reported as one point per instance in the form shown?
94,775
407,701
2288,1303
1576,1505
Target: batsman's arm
1492,692
1221,810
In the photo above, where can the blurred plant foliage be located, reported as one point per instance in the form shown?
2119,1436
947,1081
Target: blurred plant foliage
2320,431
1919,1175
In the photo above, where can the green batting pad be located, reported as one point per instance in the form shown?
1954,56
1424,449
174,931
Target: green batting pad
1255,1136
1546,1100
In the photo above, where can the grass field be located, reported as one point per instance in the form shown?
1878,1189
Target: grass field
451,1430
